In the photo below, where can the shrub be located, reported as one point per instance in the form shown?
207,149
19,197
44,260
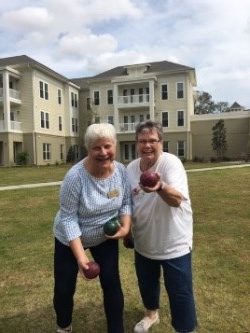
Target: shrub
22,158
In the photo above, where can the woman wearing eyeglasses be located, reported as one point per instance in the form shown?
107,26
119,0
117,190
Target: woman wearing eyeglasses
163,231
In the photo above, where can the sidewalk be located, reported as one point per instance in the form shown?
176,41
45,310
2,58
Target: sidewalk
16,187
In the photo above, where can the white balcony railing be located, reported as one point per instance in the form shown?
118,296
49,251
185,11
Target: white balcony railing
127,127
13,93
130,100
14,126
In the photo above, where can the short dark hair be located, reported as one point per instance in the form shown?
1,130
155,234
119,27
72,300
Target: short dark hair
149,125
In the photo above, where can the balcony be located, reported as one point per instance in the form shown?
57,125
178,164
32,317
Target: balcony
133,101
15,126
14,95
127,127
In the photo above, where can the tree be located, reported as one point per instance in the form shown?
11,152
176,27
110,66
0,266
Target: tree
222,107
203,103
219,142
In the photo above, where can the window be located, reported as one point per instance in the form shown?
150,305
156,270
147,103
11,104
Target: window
96,98
165,146
61,152
88,103
44,90
74,101
180,90
12,116
110,96
76,152
141,118
147,94
44,119
132,92
46,151
164,119
59,94
111,120
129,151
180,118
74,122
97,120
60,123
181,148
140,95
164,91
125,93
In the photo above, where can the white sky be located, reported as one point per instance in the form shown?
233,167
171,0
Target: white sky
79,38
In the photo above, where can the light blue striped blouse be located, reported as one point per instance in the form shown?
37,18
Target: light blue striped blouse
86,203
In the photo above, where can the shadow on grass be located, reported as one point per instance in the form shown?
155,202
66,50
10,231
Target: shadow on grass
90,319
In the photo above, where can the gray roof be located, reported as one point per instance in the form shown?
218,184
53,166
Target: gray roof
154,67
236,105
18,61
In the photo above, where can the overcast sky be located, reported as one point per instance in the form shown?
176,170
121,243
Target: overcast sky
79,38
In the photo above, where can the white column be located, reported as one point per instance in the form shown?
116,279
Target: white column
151,100
116,113
6,101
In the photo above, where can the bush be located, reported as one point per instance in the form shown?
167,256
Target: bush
22,158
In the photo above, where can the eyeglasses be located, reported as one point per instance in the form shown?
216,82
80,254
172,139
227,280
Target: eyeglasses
151,142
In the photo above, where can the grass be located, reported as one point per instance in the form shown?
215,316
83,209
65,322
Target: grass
220,258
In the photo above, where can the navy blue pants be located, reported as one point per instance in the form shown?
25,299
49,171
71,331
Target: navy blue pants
177,275
65,277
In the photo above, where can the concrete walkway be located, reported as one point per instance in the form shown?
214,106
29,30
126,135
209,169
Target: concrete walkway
15,187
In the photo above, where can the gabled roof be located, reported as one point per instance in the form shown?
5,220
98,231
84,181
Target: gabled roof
153,67
236,105
18,61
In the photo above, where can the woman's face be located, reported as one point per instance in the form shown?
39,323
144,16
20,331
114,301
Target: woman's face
149,146
102,152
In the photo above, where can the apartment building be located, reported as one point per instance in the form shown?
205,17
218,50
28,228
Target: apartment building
39,113
126,95
46,114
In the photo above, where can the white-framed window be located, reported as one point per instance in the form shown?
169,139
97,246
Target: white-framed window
96,97
180,118
110,96
60,123
129,151
141,118
76,151
59,96
111,120
140,95
74,100
61,152
179,90
164,118
44,119
74,123
44,90
46,151
88,102
147,94
181,148
164,91
166,146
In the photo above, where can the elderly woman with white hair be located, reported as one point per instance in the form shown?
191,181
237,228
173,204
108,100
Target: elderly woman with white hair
94,191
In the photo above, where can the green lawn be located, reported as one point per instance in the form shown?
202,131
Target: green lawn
220,257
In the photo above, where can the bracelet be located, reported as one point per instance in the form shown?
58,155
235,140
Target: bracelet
161,187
